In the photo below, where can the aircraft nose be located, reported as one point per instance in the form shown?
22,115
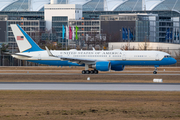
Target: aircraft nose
174,61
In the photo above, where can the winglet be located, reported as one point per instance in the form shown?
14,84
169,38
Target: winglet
48,51
93,48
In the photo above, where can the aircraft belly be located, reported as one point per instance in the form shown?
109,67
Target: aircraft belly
55,62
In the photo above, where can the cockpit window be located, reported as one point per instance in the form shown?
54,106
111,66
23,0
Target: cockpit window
167,56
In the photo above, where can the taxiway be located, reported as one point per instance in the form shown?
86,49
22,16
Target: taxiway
90,86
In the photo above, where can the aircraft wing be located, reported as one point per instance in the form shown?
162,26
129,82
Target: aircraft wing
72,59
77,59
17,54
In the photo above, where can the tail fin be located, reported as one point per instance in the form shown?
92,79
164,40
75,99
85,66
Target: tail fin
24,41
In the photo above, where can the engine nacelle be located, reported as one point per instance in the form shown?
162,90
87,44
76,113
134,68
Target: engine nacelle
118,67
103,66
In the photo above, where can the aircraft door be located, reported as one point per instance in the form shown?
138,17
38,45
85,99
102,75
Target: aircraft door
124,56
157,57
39,56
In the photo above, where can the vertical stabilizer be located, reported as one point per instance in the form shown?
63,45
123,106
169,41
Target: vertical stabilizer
24,41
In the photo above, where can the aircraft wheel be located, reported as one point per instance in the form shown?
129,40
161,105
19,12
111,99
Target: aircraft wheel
87,71
96,71
92,71
83,72
154,72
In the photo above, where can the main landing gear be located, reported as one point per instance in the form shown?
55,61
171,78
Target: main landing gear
155,70
90,71
86,71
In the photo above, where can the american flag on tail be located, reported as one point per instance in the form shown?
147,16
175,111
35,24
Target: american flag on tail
20,37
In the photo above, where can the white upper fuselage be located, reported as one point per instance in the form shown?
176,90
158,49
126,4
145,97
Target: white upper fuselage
97,55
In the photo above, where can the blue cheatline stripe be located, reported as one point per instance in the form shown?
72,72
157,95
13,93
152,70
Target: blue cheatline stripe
165,61
34,47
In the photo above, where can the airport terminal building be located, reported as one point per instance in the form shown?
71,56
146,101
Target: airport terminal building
107,20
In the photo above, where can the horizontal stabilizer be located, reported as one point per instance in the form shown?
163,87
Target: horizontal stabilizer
17,54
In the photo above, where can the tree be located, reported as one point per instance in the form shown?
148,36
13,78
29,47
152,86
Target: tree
4,48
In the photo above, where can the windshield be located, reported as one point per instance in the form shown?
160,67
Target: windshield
167,56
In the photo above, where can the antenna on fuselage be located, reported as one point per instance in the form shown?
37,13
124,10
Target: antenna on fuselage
93,48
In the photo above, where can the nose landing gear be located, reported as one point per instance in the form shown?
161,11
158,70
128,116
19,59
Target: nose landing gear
155,70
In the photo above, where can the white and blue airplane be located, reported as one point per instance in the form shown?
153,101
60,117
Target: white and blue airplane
99,60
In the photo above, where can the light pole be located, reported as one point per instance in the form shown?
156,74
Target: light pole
5,35
0,54
120,35
101,41
145,47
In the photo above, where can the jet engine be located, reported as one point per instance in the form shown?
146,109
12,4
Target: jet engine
103,66
117,67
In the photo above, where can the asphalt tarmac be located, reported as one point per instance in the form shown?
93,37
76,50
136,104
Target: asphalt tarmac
90,86
86,74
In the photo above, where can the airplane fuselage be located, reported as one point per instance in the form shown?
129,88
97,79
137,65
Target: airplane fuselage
116,57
